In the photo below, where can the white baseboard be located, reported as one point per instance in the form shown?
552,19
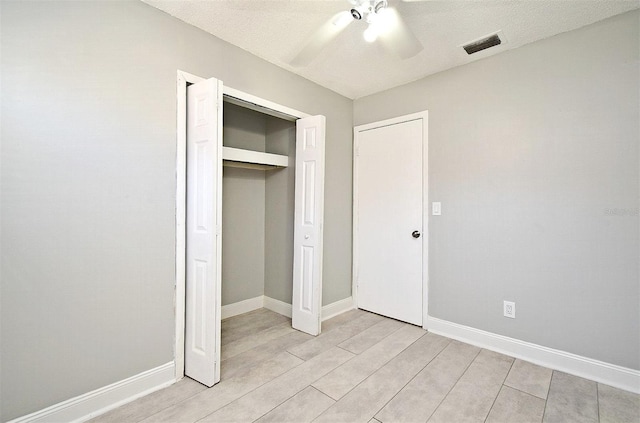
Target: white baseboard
94,403
599,371
242,307
328,311
339,307
278,306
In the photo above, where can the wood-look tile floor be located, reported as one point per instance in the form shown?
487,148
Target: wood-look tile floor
368,368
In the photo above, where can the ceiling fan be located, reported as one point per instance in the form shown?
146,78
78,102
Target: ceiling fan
381,23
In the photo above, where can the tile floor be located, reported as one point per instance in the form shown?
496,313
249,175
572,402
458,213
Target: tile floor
368,368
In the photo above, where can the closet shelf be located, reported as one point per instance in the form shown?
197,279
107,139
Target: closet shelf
247,159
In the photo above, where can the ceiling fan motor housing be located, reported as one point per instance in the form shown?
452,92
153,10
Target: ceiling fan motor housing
368,8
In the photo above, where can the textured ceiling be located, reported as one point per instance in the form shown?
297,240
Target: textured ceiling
276,30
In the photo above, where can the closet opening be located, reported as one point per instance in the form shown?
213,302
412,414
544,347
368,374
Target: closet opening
258,200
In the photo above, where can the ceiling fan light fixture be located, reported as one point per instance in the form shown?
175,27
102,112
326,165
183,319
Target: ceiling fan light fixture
356,14
370,34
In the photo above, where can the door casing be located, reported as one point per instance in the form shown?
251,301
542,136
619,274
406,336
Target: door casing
424,116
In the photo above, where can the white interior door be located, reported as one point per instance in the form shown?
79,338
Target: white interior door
388,188
203,235
308,215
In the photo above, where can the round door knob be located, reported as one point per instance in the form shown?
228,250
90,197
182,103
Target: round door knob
306,237
415,234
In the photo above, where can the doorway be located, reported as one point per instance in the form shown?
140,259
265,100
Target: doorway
390,218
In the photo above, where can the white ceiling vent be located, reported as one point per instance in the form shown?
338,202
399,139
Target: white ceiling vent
484,43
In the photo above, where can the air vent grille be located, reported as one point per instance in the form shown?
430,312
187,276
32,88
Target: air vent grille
483,44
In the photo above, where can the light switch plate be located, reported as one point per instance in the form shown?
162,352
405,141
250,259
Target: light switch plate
436,208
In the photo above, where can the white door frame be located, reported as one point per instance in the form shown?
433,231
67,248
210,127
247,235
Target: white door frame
233,96
424,116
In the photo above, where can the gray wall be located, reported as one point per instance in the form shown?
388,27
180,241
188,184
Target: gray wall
279,211
88,188
534,156
257,210
243,209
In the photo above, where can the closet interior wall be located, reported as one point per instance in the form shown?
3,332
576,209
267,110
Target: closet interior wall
257,210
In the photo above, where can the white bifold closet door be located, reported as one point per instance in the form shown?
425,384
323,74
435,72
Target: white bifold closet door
203,253
308,216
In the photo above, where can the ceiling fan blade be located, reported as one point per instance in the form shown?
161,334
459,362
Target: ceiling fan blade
319,39
396,36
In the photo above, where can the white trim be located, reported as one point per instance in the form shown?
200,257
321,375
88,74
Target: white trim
392,121
339,307
242,307
355,207
599,371
262,105
218,281
425,216
94,403
278,306
424,116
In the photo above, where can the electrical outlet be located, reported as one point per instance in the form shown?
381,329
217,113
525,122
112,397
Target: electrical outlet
510,309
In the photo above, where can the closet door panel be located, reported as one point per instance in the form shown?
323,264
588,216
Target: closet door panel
204,170
308,216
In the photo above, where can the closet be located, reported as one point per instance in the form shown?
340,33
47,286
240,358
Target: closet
258,200
253,228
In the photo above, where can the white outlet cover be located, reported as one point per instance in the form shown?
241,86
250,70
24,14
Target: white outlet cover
510,309
436,208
